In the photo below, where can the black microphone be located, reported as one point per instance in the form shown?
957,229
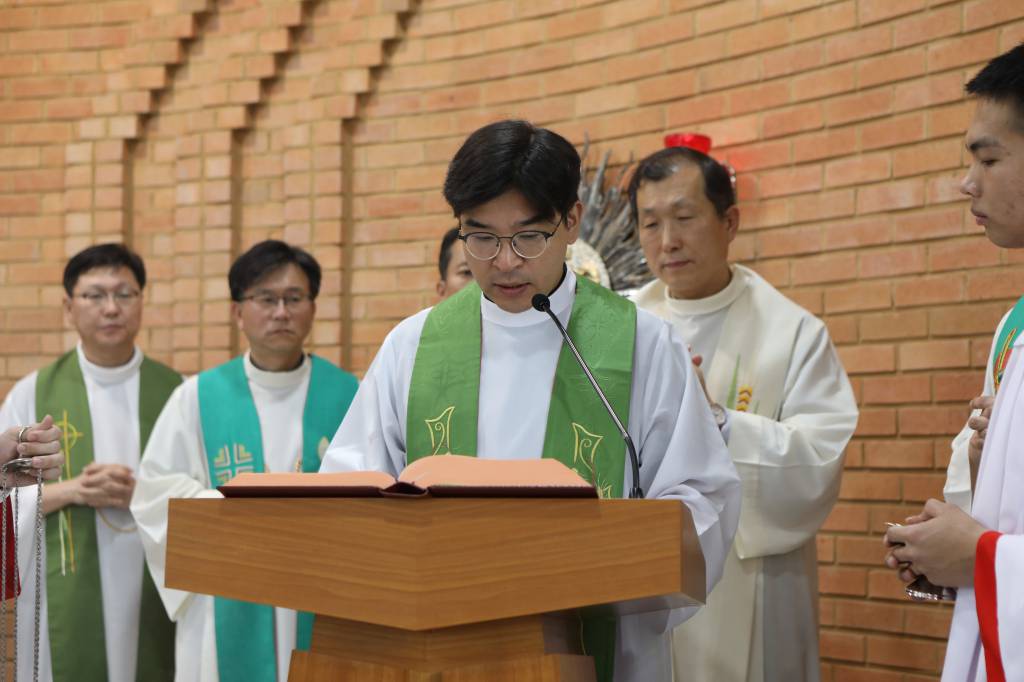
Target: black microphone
543,304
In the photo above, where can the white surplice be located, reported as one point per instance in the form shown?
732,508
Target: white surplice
175,466
998,505
682,451
113,394
787,441
957,489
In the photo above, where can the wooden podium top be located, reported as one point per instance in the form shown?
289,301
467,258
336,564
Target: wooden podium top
431,563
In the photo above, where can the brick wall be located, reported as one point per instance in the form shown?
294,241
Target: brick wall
192,128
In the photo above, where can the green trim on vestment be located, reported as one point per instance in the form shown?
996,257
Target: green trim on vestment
444,398
74,591
1004,344
234,444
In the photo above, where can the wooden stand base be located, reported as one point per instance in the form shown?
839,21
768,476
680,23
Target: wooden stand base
529,649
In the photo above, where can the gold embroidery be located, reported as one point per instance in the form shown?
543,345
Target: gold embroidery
70,437
746,392
585,452
440,432
231,461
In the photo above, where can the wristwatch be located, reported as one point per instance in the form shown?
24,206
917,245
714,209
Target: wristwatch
720,415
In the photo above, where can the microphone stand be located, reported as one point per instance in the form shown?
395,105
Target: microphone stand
543,304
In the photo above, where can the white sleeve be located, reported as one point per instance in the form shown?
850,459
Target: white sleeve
957,489
372,435
173,466
682,452
791,467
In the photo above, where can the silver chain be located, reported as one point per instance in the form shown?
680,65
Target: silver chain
39,574
6,492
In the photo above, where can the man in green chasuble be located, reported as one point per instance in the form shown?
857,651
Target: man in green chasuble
485,374
102,618
274,408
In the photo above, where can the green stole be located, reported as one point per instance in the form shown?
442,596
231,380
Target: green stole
1003,347
234,444
445,392
75,598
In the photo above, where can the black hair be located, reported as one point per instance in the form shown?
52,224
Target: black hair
1002,80
542,165
666,162
110,255
266,257
444,256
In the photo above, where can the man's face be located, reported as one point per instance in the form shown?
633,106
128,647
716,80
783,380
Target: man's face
685,241
105,308
276,313
508,279
457,274
995,179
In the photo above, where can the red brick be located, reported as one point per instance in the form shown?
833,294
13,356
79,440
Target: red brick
855,44
857,170
928,224
973,318
932,421
858,232
965,253
926,92
890,262
794,59
726,15
929,290
962,50
870,11
957,386
842,646
876,422
865,358
894,390
893,131
861,296
897,325
905,652
924,27
823,21
898,454
927,158
792,120
995,285
862,105
789,241
841,580
890,196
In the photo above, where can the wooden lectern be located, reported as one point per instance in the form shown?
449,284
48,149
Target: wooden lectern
432,590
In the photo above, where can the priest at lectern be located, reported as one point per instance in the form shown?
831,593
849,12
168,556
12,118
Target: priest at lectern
485,373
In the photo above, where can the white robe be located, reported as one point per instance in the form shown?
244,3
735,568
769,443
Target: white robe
113,394
175,466
957,489
999,505
682,451
762,621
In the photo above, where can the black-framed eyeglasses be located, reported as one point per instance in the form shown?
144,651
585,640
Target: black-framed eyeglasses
122,299
528,244
269,302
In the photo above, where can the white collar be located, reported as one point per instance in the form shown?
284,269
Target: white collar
109,375
561,302
712,303
274,380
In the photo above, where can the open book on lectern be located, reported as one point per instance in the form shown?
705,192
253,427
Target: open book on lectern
436,476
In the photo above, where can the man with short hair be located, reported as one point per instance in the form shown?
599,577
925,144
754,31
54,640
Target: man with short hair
452,266
494,371
273,409
102,617
787,411
982,554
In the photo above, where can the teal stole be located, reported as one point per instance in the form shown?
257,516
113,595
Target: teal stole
1003,347
234,444
444,401
74,603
